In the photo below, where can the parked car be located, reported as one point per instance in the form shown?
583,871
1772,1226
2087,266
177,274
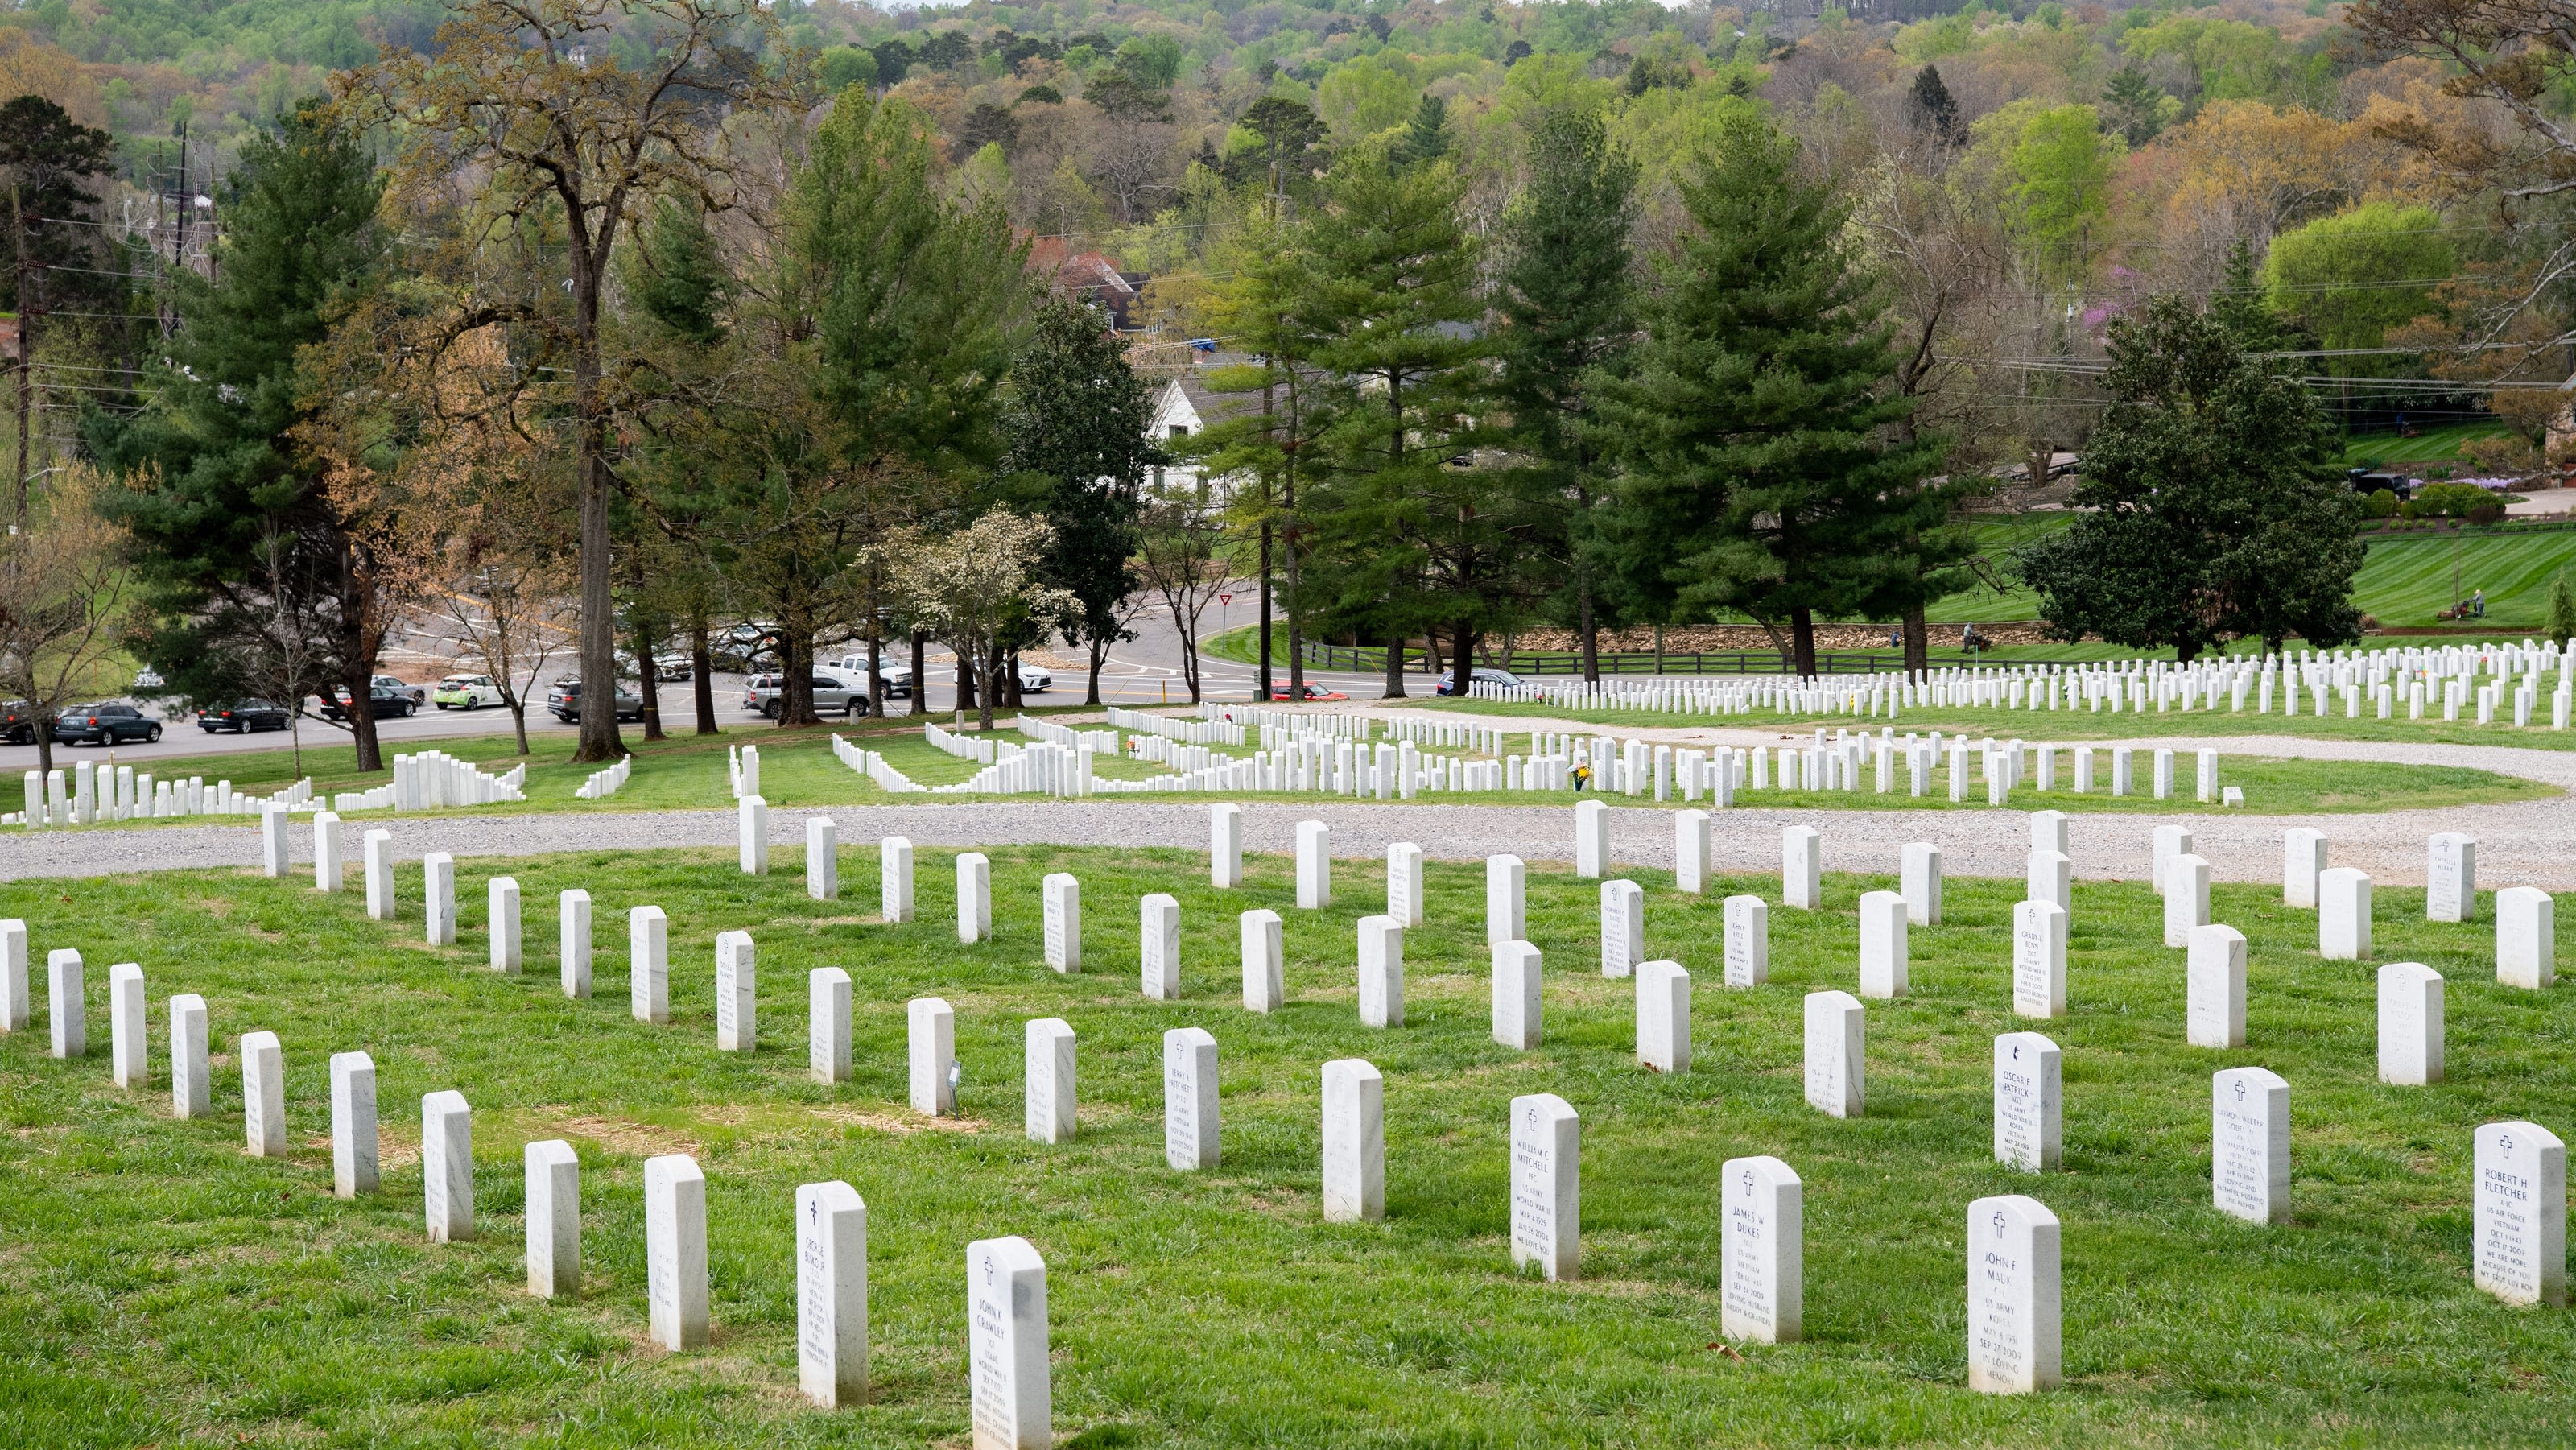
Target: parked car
1034,681
564,700
147,678
419,693
466,692
384,702
1313,692
1479,675
831,693
104,723
242,717
897,676
18,723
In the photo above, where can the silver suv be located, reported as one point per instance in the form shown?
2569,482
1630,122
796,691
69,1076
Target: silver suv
831,693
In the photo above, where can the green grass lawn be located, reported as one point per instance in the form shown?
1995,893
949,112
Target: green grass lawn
160,1288
2433,445
2407,578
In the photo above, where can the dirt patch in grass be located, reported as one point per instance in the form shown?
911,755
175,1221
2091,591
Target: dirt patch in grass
624,1135
900,1123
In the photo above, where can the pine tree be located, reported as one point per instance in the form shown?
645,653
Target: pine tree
2135,104
2212,506
1935,109
2562,611
1408,543
1568,310
2239,304
1763,470
1077,419
48,162
1426,134
238,542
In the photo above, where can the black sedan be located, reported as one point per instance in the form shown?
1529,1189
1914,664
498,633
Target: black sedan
104,724
385,702
242,717
18,723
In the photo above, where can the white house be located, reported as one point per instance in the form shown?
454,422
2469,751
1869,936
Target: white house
1183,410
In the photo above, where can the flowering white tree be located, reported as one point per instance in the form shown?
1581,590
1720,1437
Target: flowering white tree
977,587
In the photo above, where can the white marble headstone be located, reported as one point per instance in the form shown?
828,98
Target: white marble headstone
2214,987
1506,905
2410,1024
1663,1016
1048,1112
2526,937
1516,1003
2013,1344
1883,949
648,945
1547,1186
2030,1101
1801,864
2519,1238
2343,915
831,1294
1190,1129
827,1024
1063,895
1623,927
1264,977
2039,959
1834,1048
353,1124
930,1051
1161,946
554,1218
1381,949
1763,1258
675,1251
1748,941
1354,1108
1919,882
1006,1314
2249,1159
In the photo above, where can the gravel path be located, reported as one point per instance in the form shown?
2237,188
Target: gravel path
2532,842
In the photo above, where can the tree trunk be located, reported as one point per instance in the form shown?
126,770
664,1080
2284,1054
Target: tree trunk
1802,640
1462,660
990,671
876,668
1395,668
1010,680
26,366
355,676
1263,681
970,671
648,680
920,675
599,739
702,676
1587,624
518,723
1918,642
796,679
1099,653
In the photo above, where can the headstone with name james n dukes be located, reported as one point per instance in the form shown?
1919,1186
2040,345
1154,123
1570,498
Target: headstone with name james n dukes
1763,1258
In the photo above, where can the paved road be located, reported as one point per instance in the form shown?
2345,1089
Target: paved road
2526,843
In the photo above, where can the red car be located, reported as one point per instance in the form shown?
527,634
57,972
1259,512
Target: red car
1313,692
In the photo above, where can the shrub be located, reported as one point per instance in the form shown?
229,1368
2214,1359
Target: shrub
2488,512
2408,511
2449,500
2379,503
2562,609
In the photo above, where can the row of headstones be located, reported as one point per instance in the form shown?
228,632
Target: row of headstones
831,1221
2023,1110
